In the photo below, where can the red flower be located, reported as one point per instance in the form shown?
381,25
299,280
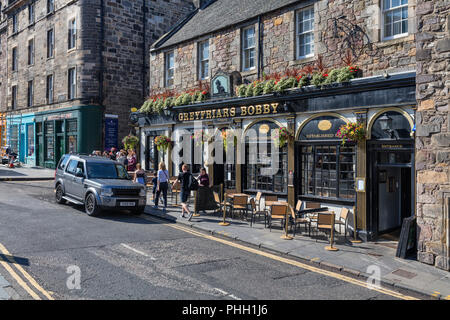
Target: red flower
203,92
325,75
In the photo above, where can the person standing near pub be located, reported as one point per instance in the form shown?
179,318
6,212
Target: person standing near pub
162,184
184,179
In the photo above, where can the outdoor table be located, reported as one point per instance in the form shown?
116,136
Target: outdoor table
270,203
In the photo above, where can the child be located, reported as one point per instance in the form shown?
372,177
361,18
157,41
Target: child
155,184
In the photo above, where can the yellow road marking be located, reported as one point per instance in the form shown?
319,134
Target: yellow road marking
24,273
19,280
287,261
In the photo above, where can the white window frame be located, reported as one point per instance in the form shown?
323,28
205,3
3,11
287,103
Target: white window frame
203,61
49,89
245,49
168,68
384,11
72,34
31,50
298,34
51,51
30,94
72,83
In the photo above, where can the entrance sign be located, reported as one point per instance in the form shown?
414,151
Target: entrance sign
321,128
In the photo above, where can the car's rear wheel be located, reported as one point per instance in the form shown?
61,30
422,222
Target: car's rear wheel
90,205
59,193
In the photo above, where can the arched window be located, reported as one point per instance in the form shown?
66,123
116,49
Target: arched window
390,125
326,167
259,155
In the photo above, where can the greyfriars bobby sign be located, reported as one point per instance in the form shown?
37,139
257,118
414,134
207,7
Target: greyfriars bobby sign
221,85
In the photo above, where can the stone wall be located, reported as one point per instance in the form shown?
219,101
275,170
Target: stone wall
278,44
433,131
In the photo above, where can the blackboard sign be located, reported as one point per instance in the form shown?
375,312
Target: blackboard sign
407,242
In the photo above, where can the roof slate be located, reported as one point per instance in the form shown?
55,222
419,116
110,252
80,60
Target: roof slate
220,14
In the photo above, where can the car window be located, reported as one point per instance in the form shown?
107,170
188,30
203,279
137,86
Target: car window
63,162
80,165
72,167
106,171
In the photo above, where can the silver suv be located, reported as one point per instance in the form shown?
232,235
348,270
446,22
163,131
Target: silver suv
97,183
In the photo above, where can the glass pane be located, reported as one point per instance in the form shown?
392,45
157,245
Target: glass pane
395,3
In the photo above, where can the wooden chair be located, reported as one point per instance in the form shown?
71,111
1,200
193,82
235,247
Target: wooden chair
343,221
175,190
299,220
277,212
325,221
258,199
221,205
256,212
240,203
269,198
312,205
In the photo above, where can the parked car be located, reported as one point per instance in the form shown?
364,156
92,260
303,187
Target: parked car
97,183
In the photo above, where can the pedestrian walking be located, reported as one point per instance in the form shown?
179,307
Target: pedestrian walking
185,178
155,185
131,160
139,175
162,184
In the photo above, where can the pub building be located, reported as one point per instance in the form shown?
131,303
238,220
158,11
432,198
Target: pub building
322,169
374,177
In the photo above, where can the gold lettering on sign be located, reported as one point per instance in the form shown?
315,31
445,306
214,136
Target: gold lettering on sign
191,116
180,117
266,108
274,107
196,114
225,113
389,146
186,116
232,112
243,111
208,114
213,113
258,109
202,113
251,110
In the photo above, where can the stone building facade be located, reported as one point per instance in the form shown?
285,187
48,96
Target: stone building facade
433,132
109,55
278,49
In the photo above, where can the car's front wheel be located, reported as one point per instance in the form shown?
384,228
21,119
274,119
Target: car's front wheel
90,205
59,193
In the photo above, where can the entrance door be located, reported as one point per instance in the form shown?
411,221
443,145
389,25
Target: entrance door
22,145
40,151
60,148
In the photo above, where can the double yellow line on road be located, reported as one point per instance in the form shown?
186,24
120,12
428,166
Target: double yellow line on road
27,282
287,261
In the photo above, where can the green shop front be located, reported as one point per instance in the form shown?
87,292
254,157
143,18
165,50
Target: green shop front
69,130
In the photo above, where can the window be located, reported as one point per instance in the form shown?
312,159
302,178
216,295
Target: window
14,97
258,159
203,60
72,34
14,138
50,6
49,94
49,140
31,13
328,171
395,18
72,167
305,33
248,48
72,83
50,43
169,63
15,23
30,93
14,62
30,51
30,140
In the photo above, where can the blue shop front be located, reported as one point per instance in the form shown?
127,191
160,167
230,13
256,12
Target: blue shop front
21,137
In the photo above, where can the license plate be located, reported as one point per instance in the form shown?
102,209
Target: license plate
128,204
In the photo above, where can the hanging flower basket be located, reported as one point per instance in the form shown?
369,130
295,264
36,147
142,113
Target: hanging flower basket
200,137
162,143
282,136
225,134
352,131
130,142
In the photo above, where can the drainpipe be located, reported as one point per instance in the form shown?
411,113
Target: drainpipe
260,47
144,52
101,78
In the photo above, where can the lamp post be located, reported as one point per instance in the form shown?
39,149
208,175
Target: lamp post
386,124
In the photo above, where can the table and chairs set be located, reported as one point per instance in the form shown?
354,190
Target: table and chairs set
312,217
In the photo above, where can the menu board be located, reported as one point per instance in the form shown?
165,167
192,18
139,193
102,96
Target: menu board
111,131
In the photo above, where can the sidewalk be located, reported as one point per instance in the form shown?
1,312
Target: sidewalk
351,259
25,173
4,295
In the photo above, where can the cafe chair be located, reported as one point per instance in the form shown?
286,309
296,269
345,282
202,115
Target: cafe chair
220,205
312,205
255,212
343,220
277,212
325,222
239,204
298,219
258,199
271,198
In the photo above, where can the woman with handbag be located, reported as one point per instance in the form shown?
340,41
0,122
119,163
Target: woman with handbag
162,184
